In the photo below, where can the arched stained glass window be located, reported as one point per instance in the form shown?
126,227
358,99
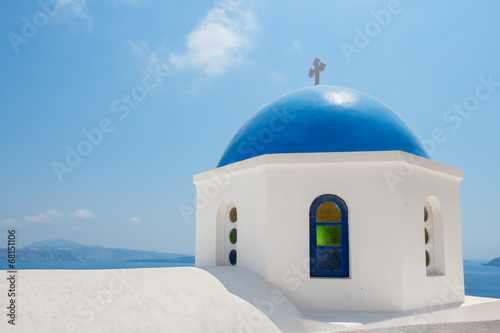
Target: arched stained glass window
329,237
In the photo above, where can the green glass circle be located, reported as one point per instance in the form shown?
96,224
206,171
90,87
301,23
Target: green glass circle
427,258
233,235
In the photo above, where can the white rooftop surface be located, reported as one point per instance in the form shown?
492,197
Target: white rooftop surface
342,157
213,299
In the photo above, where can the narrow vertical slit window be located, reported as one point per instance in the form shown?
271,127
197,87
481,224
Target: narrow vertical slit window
433,237
231,235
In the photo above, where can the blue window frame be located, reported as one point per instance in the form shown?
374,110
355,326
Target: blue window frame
329,237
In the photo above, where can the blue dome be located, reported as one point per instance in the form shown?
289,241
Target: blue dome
322,119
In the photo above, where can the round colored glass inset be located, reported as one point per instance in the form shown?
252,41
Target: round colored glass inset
233,215
232,257
426,236
233,236
426,214
427,258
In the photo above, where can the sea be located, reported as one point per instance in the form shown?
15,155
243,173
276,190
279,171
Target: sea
480,280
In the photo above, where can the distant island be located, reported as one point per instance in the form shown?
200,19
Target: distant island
62,249
494,262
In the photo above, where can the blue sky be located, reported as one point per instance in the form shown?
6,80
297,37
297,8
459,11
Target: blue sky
162,86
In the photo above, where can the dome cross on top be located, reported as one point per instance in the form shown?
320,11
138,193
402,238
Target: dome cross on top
319,66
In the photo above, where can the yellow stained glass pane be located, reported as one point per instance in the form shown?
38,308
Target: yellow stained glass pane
328,235
328,212
233,215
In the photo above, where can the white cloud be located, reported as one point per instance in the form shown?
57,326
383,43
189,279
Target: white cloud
144,52
82,213
118,2
48,216
8,223
53,213
72,10
297,46
38,218
220,40
135,219
75,9
140,48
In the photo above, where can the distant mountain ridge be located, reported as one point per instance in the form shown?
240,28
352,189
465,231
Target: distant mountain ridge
494,262
54,243
62,249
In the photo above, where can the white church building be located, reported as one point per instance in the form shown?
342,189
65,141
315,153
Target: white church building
329,195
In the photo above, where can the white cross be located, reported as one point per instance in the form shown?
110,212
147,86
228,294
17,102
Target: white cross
319,66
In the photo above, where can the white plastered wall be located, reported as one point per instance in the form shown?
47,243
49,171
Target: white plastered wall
447,285
273,194
245,188
375,277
